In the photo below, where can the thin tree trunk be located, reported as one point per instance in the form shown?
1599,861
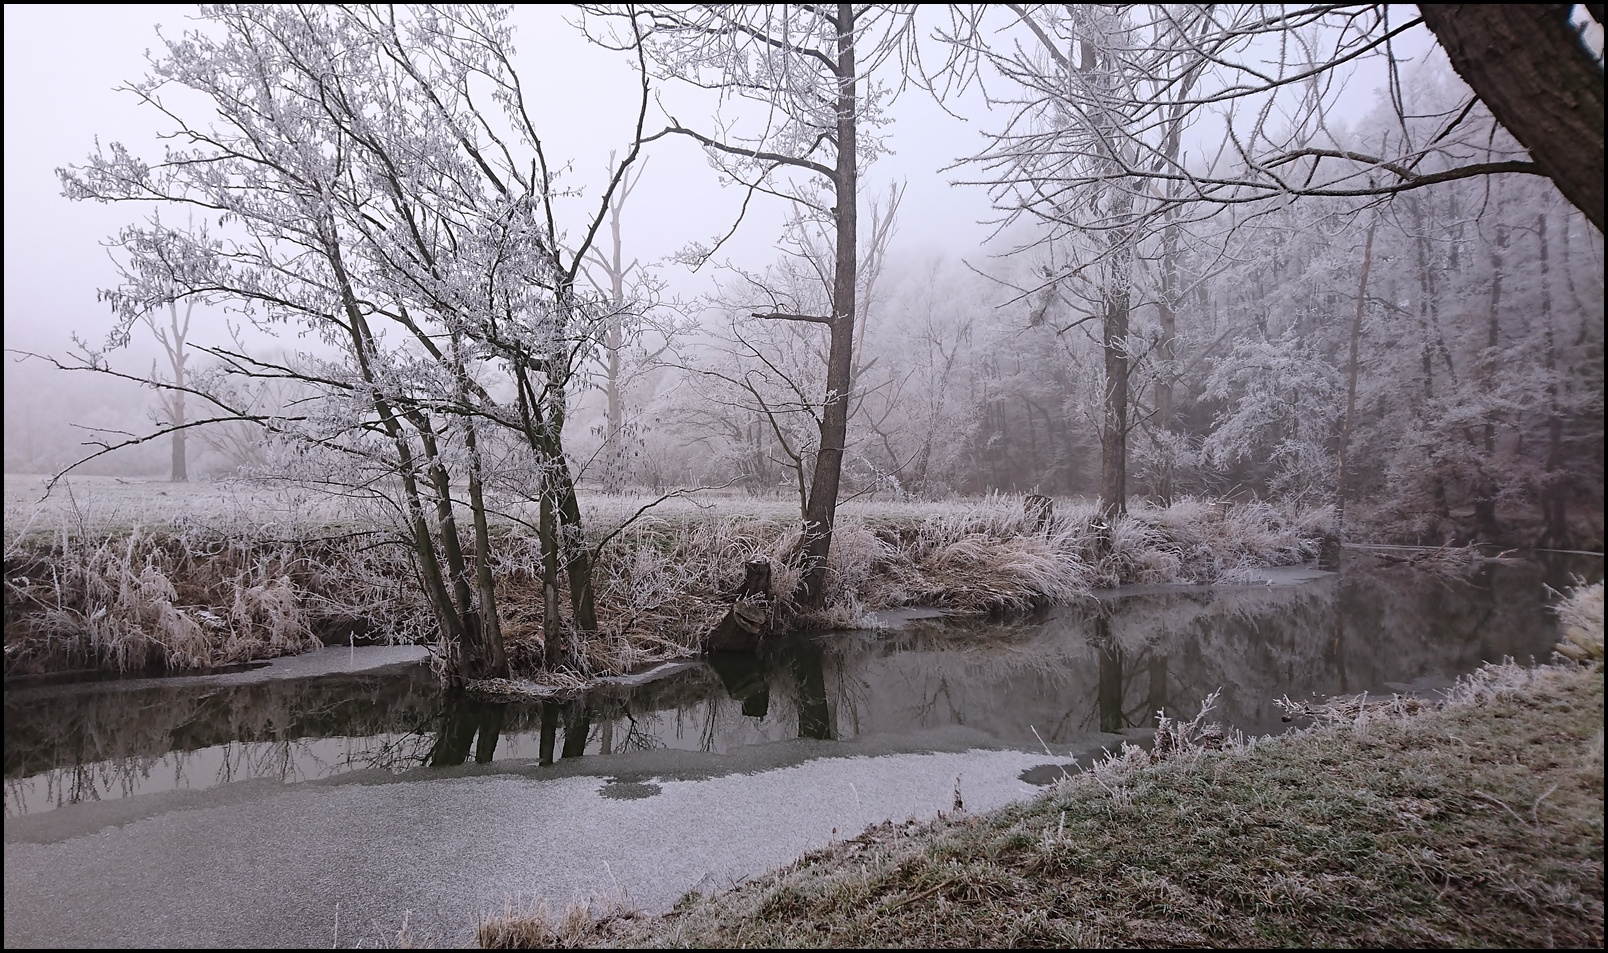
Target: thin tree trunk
429,565
1348,422
553,652
1554,494
613,440
1485,494
1167,355
496,661
180,470
1114,436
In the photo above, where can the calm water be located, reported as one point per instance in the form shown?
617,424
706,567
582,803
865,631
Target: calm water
334,800
1069,682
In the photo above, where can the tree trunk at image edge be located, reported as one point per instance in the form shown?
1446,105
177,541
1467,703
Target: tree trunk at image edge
1527,64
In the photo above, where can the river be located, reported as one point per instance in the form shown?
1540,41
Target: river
335,798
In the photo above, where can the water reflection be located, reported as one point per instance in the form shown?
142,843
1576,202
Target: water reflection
461,724
1068,678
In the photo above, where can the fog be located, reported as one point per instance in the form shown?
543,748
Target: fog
1449,337
63,65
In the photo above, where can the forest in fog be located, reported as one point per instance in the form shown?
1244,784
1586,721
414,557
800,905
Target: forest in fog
1207,269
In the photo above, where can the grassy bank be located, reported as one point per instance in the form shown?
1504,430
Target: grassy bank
1476,821
129,576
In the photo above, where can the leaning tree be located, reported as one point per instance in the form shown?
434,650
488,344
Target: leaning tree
369,178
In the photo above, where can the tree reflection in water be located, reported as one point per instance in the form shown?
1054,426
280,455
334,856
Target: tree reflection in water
1073,675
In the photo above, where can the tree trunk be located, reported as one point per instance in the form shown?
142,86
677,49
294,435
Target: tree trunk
821,511
453,625
1528,65
1114,436
180,470
553,654
1485,493
496,657
1167,356
1108,689
614,456
1349,421
1554,492
746,624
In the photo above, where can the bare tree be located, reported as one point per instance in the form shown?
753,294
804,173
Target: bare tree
808,70
173,338
1097,99
633,318
1258,82
364,197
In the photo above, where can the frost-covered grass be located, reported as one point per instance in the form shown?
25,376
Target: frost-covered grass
91,506
1476,821
128,575
1581,615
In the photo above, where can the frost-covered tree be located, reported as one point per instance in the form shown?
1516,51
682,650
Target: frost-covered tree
369,178
805,109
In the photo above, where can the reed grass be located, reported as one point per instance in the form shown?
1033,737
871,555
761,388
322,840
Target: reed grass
1581,615
227,582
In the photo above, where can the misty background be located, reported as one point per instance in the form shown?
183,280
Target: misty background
1480,372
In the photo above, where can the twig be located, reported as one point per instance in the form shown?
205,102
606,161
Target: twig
1533,815
1501,804
1064,773
918,896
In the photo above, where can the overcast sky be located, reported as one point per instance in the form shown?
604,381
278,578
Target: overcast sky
62,64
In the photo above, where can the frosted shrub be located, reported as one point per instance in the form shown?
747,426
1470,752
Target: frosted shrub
1581,615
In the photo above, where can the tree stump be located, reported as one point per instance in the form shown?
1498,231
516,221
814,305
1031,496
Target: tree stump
750,615
1039,511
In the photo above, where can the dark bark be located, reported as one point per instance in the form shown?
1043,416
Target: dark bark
821,509
1554,491
496,658
576,728
468,725
1349,420
548,739
559,518
750,617
1527,64
453,625
1109,686
1114,434
809,676
1485,493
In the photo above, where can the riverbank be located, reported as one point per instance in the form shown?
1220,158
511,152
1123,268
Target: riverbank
188,583
1473,821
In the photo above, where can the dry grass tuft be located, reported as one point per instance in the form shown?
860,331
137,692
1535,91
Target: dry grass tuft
535,926
1581,615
